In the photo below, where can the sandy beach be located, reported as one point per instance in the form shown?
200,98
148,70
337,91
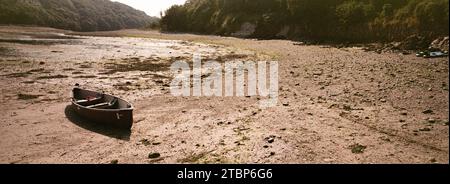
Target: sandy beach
336,105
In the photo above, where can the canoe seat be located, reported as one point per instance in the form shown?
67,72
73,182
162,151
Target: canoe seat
98,106
105,105
89,101
81,101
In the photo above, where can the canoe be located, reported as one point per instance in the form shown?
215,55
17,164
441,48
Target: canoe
102,108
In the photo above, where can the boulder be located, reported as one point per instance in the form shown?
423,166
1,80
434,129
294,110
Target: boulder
440,43
247,29
414,42
283,32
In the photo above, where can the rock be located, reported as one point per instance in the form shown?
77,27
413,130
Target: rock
347,108
153,155
383,100
145,142
114,161
431,120
413,42
441,43
404,113
318,72
445,122
428,111
286,104
270,139
283,32
247,29
433,160
265,146
425,129
357,148
272,153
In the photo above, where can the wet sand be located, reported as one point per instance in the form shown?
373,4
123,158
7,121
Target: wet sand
336,105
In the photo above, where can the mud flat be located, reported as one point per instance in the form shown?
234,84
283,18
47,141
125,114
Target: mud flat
336,105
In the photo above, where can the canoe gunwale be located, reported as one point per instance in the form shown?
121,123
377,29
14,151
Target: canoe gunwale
105,110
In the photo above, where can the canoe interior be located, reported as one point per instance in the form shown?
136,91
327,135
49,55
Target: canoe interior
90,98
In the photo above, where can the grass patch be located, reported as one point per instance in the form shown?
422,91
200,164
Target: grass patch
4,50
135,64
24,74
28,82
17,75
85,77
77,72
53,77
357,148
32,42
21,96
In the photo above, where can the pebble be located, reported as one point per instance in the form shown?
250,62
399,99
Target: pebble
153,155
425,129
428,111
270,139
431,120
446,122
433,160
145,142
318,73
114,161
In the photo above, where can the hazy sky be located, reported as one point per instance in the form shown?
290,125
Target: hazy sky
151,7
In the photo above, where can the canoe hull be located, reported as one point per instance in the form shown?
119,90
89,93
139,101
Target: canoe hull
119,117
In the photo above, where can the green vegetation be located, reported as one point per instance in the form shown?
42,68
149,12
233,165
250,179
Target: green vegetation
319,20
79,15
